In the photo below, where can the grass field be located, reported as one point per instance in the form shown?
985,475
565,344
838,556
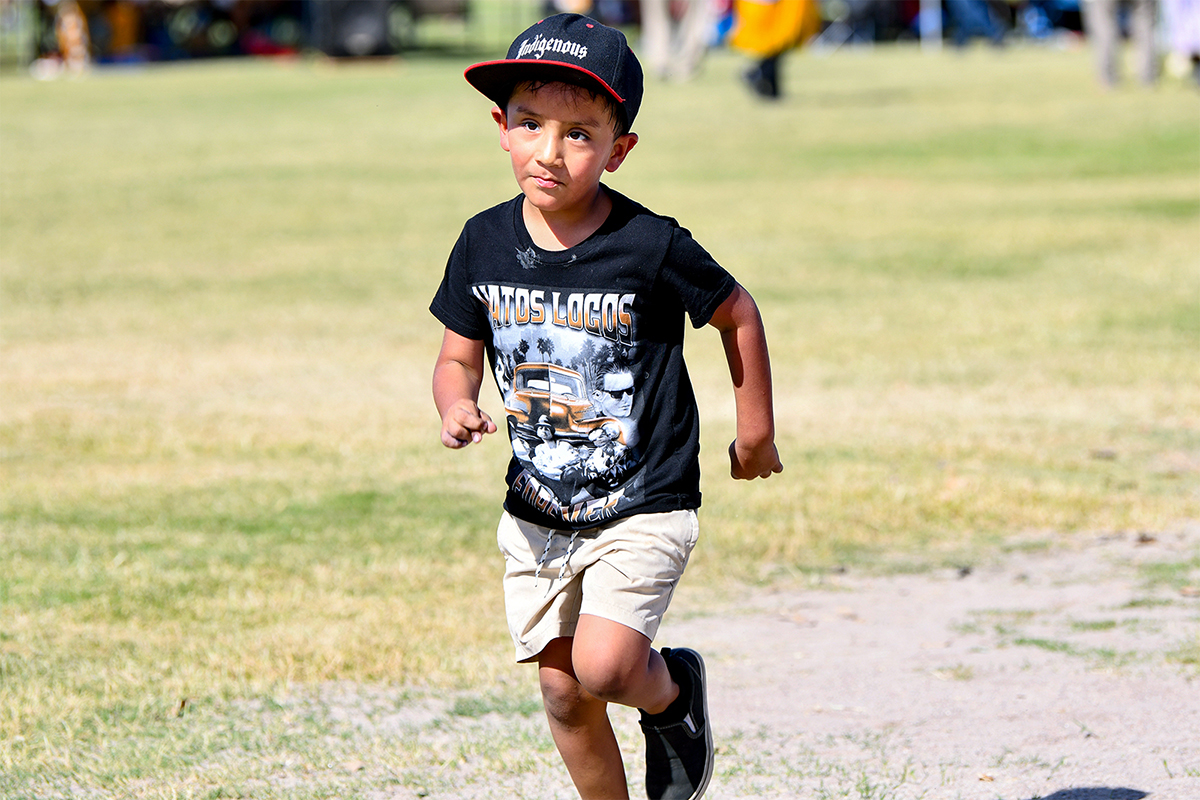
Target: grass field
219,460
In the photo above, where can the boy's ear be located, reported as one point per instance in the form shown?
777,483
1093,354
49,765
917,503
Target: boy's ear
621,148
502,122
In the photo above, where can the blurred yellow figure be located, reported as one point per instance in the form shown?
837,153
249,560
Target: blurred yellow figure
766,29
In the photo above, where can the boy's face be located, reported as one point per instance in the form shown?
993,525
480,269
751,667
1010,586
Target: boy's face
561,141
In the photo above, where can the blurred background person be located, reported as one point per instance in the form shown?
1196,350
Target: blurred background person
1102,26
71,30
676,35
766,30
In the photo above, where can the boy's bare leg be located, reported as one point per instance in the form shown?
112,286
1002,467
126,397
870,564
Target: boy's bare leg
580,727
604,662
617,664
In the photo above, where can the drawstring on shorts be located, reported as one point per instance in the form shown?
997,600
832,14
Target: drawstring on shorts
546,552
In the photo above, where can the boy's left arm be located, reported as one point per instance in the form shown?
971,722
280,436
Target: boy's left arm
752,454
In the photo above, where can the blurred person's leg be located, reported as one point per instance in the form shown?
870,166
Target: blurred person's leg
656,36
1100,26
769,69
696,32
674,50
1141,32
764,77
973,18
960,15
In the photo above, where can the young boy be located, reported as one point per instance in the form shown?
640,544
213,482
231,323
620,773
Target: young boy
577,297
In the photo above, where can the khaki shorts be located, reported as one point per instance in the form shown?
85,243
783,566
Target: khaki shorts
625,572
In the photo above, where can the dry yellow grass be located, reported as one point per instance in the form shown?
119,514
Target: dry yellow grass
218,455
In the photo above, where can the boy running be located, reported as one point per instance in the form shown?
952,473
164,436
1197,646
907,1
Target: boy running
563,289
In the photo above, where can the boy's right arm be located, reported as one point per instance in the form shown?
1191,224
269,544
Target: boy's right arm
457,377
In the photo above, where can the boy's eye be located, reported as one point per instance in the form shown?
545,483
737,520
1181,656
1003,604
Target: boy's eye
578,136
529,125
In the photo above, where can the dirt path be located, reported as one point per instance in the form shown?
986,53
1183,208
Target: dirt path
1065,673
1054,674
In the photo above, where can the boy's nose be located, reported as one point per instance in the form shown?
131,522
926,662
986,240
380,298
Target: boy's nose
551,150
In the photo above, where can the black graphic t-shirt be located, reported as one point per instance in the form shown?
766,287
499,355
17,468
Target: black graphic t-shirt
586,346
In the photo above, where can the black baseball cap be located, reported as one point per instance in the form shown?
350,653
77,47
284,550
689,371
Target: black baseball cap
571,48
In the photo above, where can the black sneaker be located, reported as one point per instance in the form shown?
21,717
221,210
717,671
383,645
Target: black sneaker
679,748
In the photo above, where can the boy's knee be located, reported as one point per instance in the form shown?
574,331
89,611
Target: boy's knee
609,680
569,699
565,699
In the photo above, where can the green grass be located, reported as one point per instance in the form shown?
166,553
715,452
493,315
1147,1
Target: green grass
219,459
1173,574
